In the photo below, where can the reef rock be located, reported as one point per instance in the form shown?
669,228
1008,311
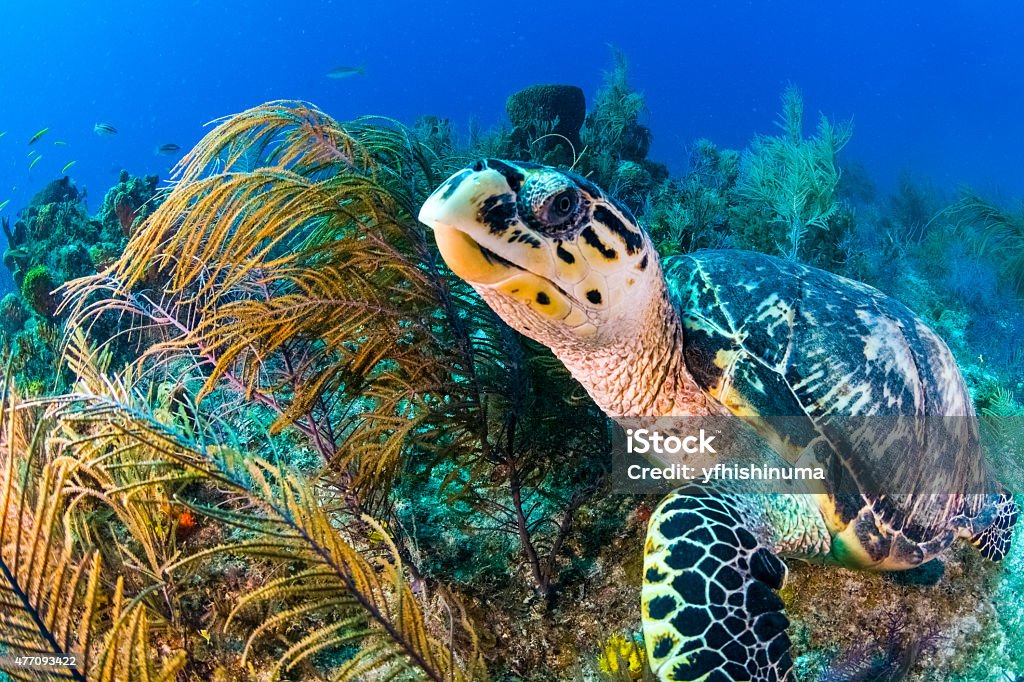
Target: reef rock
547,109
128,203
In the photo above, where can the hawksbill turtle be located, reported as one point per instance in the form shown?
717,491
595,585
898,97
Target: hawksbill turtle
720,332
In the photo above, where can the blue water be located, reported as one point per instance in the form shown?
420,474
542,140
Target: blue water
934,87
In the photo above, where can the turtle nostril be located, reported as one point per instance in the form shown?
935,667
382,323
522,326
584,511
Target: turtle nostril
478,165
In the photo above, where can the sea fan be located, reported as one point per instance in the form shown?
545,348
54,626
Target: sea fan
350,600
303,284
61,614
891,661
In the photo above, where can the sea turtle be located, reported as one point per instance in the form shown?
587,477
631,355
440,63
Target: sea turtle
722,332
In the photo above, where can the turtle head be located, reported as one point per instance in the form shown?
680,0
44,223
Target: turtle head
551,253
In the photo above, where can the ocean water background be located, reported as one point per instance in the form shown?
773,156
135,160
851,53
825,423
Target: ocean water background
935,88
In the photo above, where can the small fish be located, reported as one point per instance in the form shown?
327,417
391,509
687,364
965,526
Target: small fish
104,130
69,164
340,72
31,153
167,149
35,138
4,203
3,133
35,161
58,143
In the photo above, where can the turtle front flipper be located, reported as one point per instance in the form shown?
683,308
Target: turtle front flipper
710,607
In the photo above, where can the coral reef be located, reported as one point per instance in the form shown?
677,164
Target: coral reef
12,314
326,455
54,241
55,230
127,204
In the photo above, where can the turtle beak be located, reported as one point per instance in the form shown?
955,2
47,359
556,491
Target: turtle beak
456,203
453,212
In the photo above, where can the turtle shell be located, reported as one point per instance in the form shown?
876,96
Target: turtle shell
768,337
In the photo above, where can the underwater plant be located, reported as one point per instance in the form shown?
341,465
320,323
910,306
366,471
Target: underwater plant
792,181
58,600
912,207
613,126
615,140
994,233
285,275
694,212
128,489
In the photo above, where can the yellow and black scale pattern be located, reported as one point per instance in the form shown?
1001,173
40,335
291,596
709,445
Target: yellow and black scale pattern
709,604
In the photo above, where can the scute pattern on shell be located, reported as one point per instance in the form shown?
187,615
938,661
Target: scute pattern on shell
842,347
769,337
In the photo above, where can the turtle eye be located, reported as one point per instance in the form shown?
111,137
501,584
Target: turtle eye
560,207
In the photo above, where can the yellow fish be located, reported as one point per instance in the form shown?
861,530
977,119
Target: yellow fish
68,165
34,162
4,203
35,138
